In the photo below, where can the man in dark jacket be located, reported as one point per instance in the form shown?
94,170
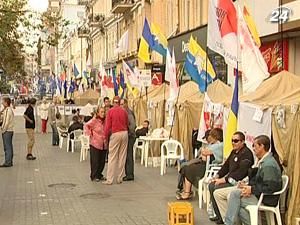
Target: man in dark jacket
233,170
76,125
267,180
144,130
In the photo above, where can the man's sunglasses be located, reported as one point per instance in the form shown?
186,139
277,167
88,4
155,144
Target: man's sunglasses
235,140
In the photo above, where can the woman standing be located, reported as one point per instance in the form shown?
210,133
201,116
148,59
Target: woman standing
98,145
44,107
7,129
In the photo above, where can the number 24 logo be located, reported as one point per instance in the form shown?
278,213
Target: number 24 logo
280,15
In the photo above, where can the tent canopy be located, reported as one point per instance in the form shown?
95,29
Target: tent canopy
218,92
89,96
281,89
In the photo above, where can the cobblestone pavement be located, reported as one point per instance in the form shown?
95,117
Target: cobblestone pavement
55,190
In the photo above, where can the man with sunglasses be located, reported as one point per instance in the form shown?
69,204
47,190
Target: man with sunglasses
233,170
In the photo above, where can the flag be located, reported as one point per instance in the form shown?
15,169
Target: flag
171,73
123,43
251,25
254,67
195,65
62,72
122,85
116,86
232,119
160,42
75,71
58,86
146,42
84,80
130,76
222,30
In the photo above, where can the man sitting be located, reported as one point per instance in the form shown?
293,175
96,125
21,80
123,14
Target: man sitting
76,125
144,130
233,170
267,180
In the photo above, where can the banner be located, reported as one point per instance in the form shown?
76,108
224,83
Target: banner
253,121
158,74
211,116
272,53
145,78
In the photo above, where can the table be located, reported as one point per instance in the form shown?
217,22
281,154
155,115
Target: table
147,140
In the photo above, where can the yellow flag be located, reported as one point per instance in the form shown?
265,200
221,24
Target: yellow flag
143,53
251,25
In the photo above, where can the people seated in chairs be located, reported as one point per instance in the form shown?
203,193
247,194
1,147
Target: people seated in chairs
76,125
98,144
143,130
195,169
267,180
233,170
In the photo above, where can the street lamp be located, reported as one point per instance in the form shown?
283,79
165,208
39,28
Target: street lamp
38,5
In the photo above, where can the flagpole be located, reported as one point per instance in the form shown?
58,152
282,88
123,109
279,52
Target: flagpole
206,58
281,34
173,119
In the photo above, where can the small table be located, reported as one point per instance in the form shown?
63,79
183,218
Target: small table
147,140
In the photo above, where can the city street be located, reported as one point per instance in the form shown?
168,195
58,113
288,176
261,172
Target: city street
56,190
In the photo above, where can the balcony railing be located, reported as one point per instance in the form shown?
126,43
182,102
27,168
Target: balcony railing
121,6
83,2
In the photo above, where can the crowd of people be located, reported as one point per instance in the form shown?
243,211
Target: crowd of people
112,133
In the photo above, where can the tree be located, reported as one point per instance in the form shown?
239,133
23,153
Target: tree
11,49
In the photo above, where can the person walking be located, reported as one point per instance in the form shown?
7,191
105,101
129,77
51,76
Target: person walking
98,144
7,129
30,126
43,109
52,118
129,166
116,125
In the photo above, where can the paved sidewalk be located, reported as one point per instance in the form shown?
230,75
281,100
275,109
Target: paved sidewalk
56,190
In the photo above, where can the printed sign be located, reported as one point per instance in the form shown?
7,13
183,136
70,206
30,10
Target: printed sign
145,78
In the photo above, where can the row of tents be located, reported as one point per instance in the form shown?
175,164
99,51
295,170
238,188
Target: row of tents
281,90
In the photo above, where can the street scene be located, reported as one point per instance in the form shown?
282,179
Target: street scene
161,112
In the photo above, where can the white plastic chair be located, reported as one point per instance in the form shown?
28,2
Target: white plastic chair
62,134
141,148
203,193
77,134
270,210
85,146
169,150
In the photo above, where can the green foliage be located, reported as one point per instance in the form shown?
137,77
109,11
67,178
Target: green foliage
11,49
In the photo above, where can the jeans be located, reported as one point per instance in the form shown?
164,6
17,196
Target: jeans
8,147
55,137
237,206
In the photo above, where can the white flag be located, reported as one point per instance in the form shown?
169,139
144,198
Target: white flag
253,65
171,74
123,43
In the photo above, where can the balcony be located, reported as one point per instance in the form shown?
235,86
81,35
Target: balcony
83,32
122,6
96,20
83,2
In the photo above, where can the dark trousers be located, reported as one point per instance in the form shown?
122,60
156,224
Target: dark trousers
55,137
7,137
212,187
97,160
129,166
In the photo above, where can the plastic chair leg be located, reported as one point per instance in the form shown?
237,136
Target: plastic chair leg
68,145
142,156
200,192
72,146
278,216
253,211
162,163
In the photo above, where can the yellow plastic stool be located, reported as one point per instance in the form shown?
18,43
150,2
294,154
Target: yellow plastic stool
180,213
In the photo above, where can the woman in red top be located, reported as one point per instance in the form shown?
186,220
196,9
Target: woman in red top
98,144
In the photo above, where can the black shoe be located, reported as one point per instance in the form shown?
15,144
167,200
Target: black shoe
128,178
219,222
214,218
30,157
6,165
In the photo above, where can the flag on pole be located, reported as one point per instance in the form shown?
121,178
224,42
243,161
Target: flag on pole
251,25
123,43
122,85
222,30
75,71
254,67
160,42
116,86
195,65
232,119
171,73
131,79
146,42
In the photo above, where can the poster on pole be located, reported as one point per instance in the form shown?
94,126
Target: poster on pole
145,78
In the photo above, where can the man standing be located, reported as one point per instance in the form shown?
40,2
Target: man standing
44,107
129,167
233,170
30,126
267,180
107,105
116,125
7,129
